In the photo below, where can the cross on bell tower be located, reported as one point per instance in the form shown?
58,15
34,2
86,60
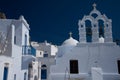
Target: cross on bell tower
94,5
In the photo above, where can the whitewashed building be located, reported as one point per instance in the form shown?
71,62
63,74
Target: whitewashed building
15,49
45,54
94,57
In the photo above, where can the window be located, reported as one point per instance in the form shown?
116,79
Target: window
25,44
14,39
118,63
35,78
94,15
30,65
25,39
30,71
74,66
14,76
45,55
40,53
5,73
25,75
81,26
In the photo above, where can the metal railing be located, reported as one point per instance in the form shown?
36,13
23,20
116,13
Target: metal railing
26,50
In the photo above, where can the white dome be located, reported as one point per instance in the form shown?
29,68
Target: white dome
70,42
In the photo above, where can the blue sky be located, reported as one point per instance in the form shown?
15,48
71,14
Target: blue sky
52,20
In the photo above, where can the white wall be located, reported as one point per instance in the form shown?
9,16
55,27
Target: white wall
9,61
13,54
39,53
88,55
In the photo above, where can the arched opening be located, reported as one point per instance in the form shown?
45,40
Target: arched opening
43,72
88,30
6,71
94,15
101,28
5,76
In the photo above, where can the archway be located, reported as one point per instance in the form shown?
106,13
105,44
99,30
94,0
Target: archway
101,28
88,26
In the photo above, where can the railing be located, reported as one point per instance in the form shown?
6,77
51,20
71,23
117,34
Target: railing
26,50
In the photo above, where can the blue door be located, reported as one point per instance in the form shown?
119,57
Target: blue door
5,73
44,72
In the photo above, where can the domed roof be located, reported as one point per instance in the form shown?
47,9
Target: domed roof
70,42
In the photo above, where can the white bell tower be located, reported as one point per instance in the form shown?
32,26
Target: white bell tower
99,25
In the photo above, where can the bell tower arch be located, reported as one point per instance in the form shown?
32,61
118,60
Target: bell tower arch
100,26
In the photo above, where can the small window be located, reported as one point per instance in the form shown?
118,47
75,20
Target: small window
40,53
94,15
81,26
25,40
74,66
30,65
94,25
107,25
45,55
35,78
14,39
25,76
14,76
